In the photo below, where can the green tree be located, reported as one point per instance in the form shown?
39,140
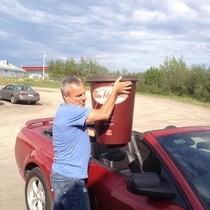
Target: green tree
55,68
199,83
176,73
89,67
70,68
154,81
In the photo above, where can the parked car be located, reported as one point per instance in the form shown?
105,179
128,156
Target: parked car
19,93
160,169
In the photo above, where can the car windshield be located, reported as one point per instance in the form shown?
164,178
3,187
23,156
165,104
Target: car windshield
191,153
24,88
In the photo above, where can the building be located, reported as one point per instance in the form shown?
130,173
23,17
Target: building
35,71
9,70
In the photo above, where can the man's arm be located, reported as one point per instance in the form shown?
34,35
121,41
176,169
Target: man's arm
106,109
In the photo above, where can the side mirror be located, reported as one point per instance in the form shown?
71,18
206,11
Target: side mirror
149,184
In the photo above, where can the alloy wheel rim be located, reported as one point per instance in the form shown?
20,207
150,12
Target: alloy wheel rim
35,194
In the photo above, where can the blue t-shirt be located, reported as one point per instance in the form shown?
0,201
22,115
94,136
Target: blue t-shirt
71,141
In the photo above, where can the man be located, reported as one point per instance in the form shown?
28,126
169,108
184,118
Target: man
72,145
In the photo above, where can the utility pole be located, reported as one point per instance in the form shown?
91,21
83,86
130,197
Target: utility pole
44,57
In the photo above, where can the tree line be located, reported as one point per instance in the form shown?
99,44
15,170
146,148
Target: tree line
173,77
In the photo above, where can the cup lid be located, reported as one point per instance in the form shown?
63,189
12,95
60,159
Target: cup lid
111,78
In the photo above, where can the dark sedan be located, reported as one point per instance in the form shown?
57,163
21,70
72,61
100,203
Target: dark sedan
160,169
19,93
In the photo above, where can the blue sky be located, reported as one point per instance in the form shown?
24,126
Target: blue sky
135,34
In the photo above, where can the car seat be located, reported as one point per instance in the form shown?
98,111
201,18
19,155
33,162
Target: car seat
123,161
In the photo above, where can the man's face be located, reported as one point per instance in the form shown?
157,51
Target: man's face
76,95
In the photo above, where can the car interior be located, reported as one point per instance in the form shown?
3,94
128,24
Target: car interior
123,158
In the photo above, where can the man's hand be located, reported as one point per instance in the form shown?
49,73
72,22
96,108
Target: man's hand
122,87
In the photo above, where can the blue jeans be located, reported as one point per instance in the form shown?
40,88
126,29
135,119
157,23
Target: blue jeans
70,194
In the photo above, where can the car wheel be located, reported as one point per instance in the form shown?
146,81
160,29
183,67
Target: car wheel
13,101
37,191
33,102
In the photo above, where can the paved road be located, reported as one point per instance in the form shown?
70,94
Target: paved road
149,113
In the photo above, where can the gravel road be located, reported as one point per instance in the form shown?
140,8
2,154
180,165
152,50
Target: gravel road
149,113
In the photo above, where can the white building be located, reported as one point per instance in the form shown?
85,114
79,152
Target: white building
9,70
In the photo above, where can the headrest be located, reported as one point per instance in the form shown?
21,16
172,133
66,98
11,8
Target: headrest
114,155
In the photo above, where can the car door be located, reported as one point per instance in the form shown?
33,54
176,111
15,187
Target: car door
108,191
8,91
4,91
108,188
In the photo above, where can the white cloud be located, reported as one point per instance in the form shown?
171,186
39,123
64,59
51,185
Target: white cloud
133,35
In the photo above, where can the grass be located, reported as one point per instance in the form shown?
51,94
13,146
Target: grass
56,84
31,82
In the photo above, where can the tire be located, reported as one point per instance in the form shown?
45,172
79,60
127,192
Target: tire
33,102
13,101
37,191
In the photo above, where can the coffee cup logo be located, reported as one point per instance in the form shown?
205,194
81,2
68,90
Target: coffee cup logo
101,94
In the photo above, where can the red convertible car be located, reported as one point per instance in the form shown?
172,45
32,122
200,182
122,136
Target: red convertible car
160,169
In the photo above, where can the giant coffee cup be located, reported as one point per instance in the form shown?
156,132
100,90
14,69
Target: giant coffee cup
117,129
